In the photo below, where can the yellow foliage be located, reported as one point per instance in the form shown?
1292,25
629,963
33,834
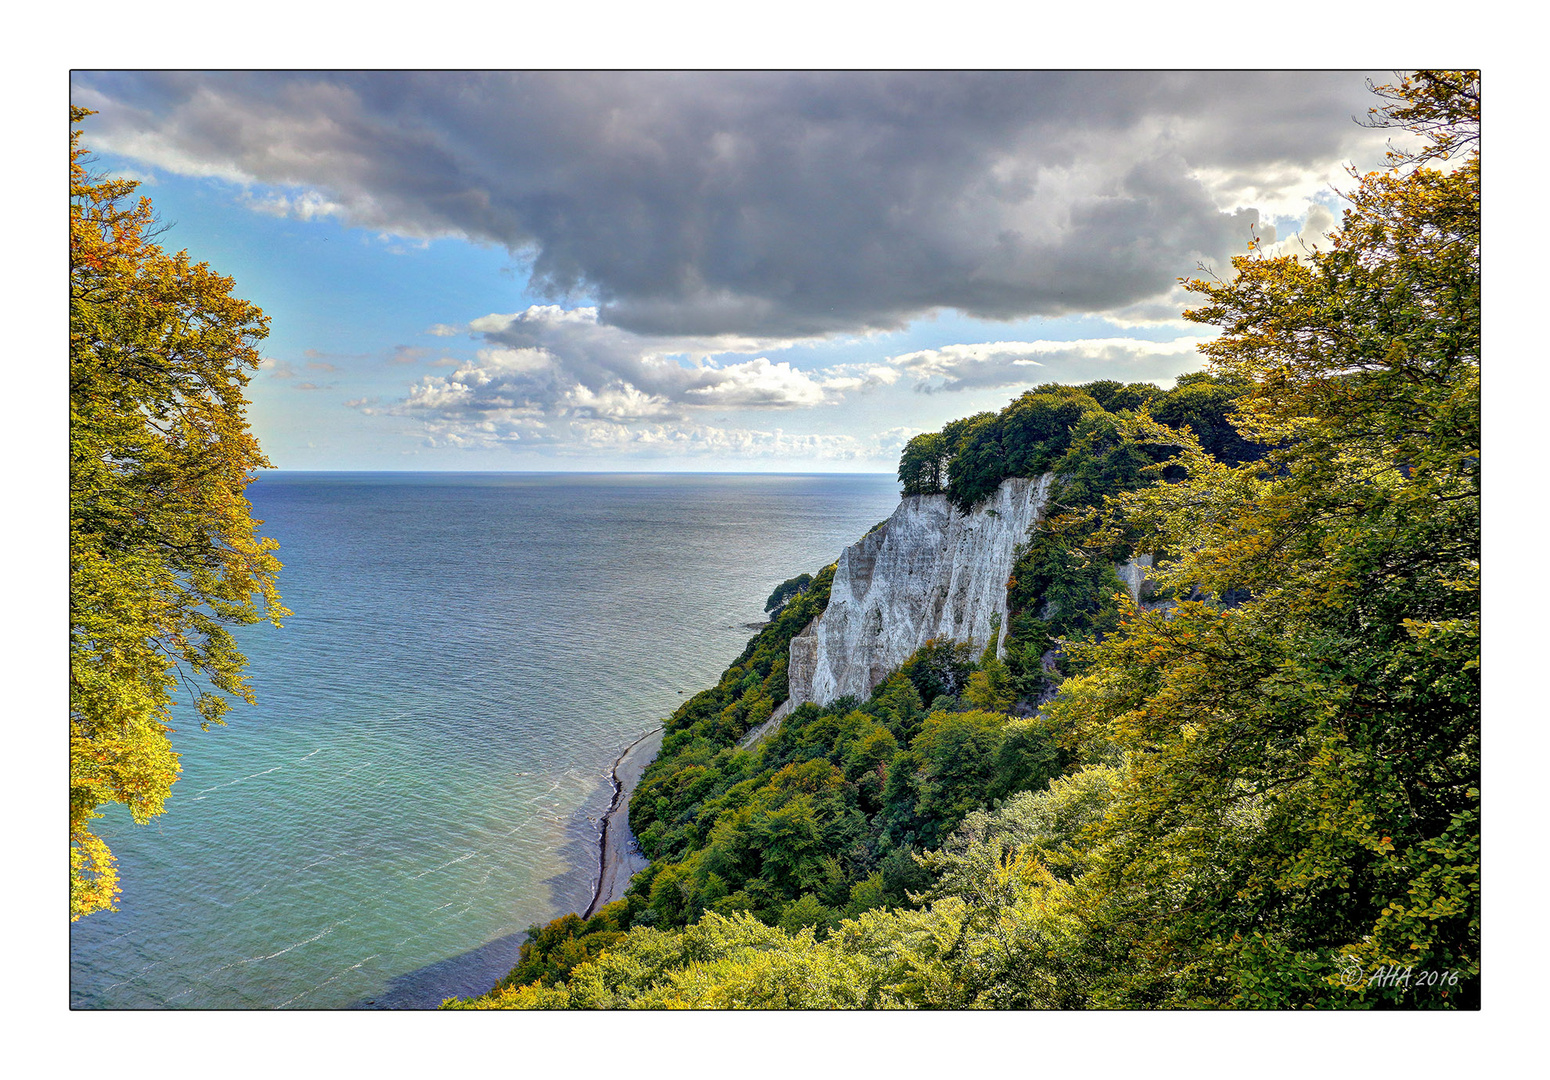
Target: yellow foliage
163,551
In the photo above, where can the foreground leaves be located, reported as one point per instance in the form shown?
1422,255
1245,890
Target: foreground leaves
163,552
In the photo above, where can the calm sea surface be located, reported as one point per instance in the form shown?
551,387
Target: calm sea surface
422,776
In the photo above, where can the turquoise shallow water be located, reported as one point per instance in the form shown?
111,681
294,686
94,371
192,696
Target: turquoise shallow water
422,777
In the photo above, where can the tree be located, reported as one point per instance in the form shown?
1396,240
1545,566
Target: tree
786,590
923,464
1204,403
1036,428
958,751
164,553
1302,797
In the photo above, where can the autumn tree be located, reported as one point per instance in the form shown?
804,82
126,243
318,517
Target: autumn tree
1301,806
164,552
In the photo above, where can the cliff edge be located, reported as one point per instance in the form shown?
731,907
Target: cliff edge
929,571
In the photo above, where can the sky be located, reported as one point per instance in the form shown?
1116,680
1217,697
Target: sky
712,271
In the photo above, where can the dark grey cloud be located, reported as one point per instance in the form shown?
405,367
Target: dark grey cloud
772,204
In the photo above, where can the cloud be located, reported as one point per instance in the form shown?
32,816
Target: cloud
768,204
1012,363
304,206
589,437
443,330
1312,235
549,376
853,377
281,369
756,384
565,359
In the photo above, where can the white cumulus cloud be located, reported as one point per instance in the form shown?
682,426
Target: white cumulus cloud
1010,363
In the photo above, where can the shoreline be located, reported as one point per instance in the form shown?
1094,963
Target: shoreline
619,859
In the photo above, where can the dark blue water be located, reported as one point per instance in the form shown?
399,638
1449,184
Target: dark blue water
422,776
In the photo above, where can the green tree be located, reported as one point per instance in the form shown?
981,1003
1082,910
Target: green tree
978,464
1115,397
786,590
1204,404
923,464
957,755
1036,427
939,668
164,553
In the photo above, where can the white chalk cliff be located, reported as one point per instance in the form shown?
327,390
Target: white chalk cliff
930,571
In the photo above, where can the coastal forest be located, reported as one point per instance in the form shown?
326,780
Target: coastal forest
1254,785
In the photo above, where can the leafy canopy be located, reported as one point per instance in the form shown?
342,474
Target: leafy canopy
1303,796
164,554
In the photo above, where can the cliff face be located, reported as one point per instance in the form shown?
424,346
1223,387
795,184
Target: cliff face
930,571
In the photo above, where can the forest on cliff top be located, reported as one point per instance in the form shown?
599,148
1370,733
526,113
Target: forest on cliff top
1258,789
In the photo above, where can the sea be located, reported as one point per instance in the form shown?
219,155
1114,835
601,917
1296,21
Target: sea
425,770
